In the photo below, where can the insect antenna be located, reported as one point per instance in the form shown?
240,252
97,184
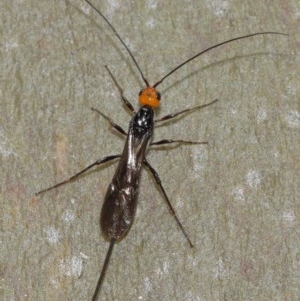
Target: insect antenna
212,47
120,39
186,61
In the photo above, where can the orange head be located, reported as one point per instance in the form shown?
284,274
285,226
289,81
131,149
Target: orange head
149,96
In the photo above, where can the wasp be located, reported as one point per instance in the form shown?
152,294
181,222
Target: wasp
121,198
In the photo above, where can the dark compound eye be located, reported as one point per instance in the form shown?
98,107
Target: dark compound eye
141,92
158,95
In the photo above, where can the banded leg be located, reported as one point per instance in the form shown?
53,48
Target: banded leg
158,181
125,100
111,122
173,115
98,162
179,141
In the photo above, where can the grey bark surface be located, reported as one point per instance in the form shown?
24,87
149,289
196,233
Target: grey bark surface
238,198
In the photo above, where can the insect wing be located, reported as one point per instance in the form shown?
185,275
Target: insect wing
120,202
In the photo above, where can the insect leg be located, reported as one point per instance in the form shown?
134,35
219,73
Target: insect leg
179,141
98,162
173,115
125,100
112,123
158,181
104,268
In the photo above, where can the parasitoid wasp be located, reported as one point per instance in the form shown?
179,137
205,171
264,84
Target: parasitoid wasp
120,201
